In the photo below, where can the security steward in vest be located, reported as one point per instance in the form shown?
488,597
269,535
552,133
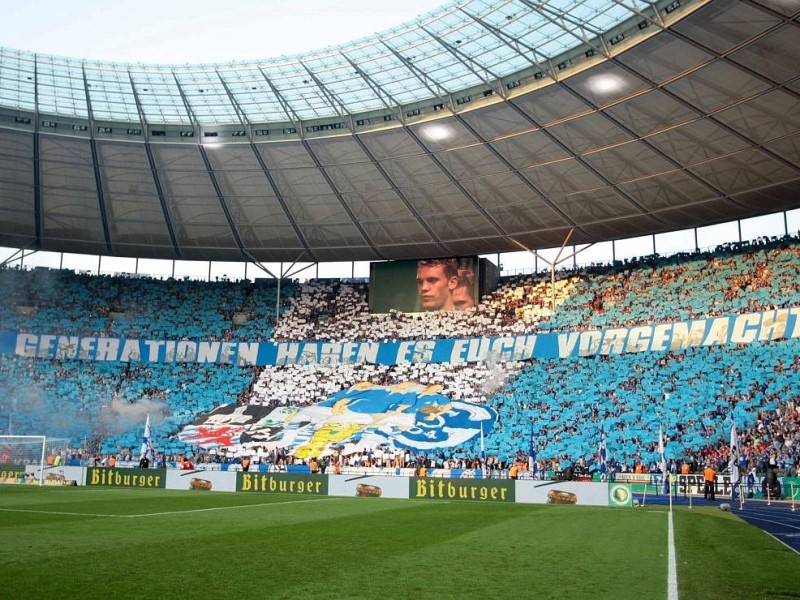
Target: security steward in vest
709,479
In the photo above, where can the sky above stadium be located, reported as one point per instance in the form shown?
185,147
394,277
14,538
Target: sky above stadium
195,31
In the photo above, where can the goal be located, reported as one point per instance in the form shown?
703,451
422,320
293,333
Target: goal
23,454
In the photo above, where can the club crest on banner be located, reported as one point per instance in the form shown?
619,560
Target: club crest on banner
407,415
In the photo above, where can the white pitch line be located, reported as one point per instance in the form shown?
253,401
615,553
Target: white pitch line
56,512
196,510
781,541
672,568
173,512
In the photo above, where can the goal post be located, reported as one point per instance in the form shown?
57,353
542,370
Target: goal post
18,452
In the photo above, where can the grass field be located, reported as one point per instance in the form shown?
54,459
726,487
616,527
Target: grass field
116,543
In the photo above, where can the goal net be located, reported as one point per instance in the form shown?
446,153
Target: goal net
23,456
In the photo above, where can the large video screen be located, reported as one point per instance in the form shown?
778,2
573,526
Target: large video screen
424,285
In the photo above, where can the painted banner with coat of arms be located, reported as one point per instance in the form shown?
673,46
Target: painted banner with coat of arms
407,416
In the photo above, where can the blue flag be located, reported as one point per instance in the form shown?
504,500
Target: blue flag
147,445
734,463
665,486
602,455
483,448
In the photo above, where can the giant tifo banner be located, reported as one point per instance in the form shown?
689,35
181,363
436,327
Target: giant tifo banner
660,337
405,415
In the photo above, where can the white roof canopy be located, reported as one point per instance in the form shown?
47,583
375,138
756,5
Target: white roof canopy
485,126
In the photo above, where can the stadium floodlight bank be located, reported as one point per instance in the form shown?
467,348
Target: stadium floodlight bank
20,451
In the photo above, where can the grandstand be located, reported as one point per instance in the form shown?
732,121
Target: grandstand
480,129
562,403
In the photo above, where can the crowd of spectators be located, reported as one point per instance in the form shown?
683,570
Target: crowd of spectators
325,310
101,406
307,384
558,407
564,407
65,303
733,279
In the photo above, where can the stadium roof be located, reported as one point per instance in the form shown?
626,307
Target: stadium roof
484,126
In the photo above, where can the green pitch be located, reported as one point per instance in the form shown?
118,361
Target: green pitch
116,543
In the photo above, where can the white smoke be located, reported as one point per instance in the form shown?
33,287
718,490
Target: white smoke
497,374
29,410
119,416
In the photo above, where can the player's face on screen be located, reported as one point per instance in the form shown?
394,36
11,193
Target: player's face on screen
462,299
435,289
